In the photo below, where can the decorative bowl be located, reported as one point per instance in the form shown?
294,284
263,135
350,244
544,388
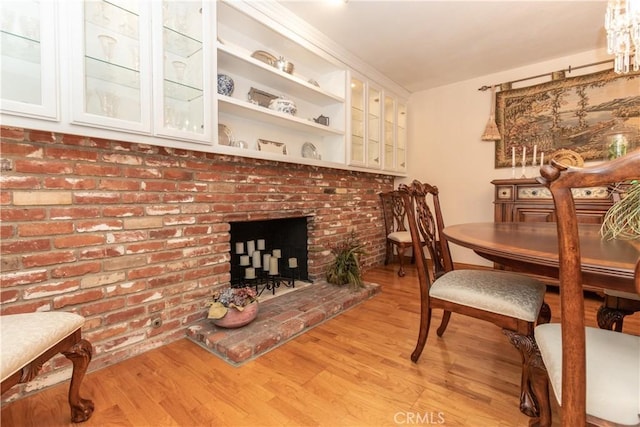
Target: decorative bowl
225,85
284,106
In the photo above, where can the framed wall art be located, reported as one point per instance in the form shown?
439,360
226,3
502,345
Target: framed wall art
571,114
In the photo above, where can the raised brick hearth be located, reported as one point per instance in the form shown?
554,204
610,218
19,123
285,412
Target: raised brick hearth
279,320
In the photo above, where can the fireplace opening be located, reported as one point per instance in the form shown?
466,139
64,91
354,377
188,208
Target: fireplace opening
269,253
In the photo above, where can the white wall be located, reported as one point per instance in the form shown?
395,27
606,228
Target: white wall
445,127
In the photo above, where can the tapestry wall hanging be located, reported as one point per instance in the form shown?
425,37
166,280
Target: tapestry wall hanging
573,113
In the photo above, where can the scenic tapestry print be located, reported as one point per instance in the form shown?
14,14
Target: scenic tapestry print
573,113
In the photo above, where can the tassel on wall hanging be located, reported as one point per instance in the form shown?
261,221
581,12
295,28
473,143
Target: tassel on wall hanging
491,132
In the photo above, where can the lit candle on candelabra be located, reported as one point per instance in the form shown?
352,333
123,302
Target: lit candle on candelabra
293,262
260,244
244,260
250,273
535,155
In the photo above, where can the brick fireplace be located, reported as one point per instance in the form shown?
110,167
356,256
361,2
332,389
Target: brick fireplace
137,237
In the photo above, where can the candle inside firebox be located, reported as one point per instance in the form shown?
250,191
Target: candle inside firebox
265,262
251,247
256,259
260,244
277,253
239,248
293,262
244,260
273,266
250,273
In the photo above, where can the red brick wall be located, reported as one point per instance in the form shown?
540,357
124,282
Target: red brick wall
125,233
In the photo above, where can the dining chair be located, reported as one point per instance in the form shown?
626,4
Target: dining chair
513,302
398,238
593,372
615,306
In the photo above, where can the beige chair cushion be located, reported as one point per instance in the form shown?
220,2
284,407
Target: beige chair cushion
23,337
613,371
400,236
510,294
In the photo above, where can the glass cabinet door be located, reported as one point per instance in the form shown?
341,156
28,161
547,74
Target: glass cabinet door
183,89
389,132
374,125
110,84
357,122
29,67
401,138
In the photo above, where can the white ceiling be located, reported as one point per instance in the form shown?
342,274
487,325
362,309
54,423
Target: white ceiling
421,44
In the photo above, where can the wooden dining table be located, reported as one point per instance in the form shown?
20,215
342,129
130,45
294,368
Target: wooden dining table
533,248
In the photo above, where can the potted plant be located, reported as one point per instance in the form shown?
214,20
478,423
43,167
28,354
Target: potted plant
345,268
233,307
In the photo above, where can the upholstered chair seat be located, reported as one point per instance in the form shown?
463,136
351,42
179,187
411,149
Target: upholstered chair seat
508,294
29,340
613,371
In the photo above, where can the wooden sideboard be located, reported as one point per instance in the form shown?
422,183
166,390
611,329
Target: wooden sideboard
524,200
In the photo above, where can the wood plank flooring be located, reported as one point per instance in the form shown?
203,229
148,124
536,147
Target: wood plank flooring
353,370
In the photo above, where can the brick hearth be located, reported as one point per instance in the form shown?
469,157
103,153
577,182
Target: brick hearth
279,320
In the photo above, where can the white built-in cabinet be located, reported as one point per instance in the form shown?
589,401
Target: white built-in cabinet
378,134
129,52
29,77
145,71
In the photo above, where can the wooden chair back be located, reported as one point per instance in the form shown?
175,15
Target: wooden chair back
395,215
561,180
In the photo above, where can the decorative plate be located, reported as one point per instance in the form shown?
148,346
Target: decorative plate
309,151
272,146
265,57
568,158
225,136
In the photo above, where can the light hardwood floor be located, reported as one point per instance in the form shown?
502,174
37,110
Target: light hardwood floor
353,370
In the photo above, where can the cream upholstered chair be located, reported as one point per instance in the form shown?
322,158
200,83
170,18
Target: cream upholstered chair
397,235
615,307
513,302
28,340
594,373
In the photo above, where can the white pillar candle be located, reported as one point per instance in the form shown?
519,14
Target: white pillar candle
261,244
535,155
542,158
513,157
524,155
256,259
250,273
276,253
273,266
239,248
244,260
265,261
293,262
251,247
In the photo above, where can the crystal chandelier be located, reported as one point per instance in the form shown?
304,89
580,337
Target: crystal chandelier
622,22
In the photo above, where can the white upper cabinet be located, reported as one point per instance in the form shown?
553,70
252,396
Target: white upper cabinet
357,148
29,57
401,138
276,95
131,52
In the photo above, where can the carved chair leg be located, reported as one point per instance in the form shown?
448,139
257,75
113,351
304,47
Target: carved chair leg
610,318
534,390
545,314
80,355
401,250
425,322
446,315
